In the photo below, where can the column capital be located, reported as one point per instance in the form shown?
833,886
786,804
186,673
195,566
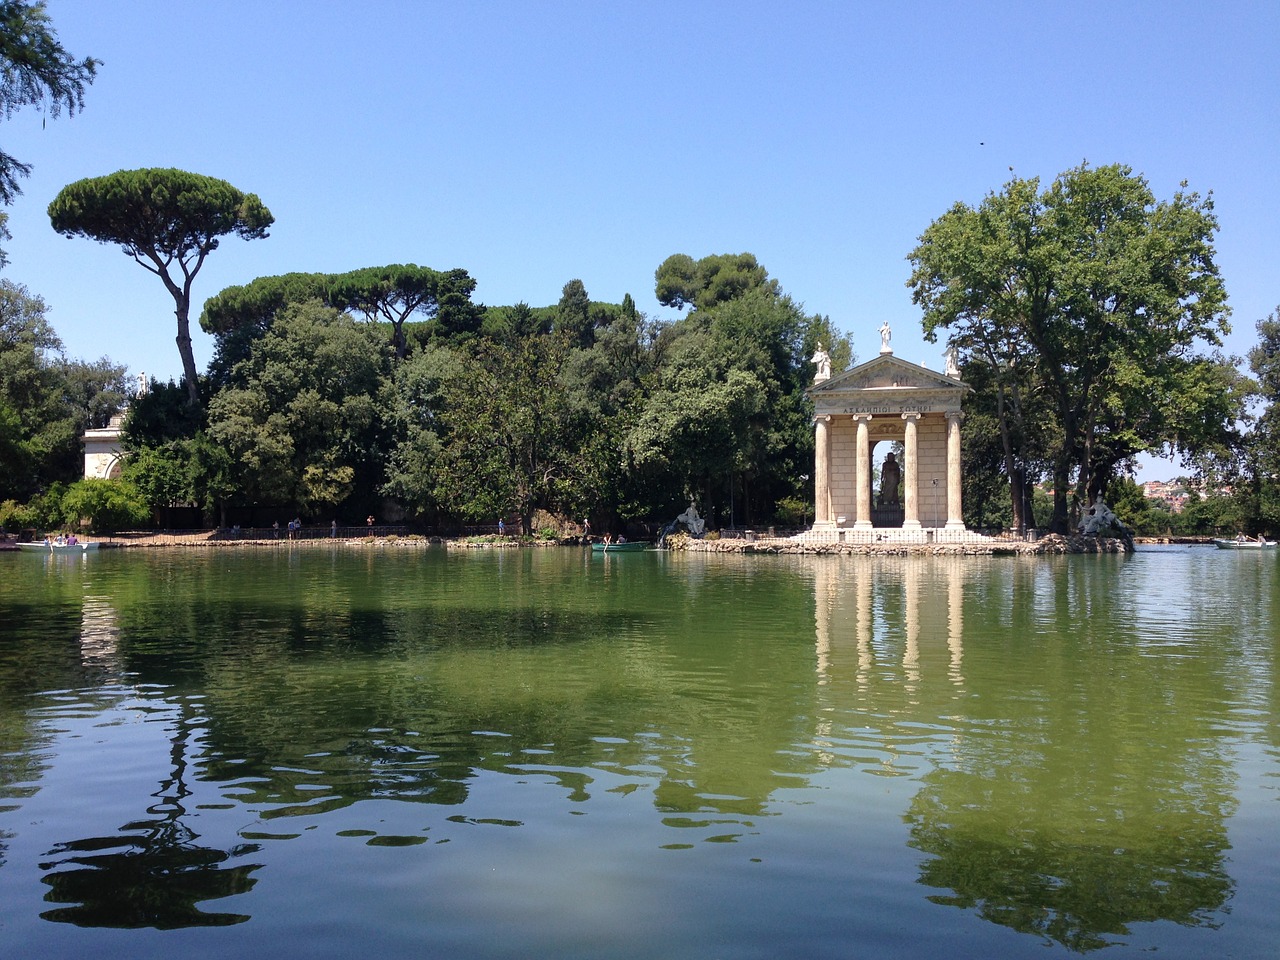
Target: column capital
861,417
911,415
822,418
954,416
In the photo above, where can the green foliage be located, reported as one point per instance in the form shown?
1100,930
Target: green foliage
238,315
46,400
162,218
306,424
44,511
393,293
108,505
1089,299
681,281
508,433
1130,504
573,316
793,512
160,416
35,71
509,325
418,401
159,474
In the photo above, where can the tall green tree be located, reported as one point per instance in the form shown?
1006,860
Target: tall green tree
168,221
507,433
35,71
726,418
305,427
420,387
1095,294
573,315
390,294
1255,479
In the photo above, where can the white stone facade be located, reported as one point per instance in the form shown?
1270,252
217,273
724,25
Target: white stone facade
888,400
102,453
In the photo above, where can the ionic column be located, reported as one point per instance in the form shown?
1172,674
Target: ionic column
821,472
863,518
910,473
955,512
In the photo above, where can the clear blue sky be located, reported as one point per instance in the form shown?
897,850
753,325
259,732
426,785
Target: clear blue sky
536,142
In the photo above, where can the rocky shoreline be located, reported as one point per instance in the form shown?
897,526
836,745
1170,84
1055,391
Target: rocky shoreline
1052,544
1049,545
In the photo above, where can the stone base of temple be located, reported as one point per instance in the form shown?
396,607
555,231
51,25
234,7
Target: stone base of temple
824,534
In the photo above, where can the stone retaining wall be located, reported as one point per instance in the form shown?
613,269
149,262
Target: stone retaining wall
1052,544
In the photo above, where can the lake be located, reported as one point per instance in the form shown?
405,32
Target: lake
344,751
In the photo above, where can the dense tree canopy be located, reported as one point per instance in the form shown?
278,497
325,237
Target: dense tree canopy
35,71
719,278
46,400
1089,299
304,425
394,293
166,220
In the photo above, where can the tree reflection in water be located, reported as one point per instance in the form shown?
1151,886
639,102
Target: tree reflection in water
154,873
1082,889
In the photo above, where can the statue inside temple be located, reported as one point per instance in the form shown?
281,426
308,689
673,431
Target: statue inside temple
890,477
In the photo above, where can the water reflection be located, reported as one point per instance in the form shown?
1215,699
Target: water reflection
1076,808
154,872
1080,877
1055,769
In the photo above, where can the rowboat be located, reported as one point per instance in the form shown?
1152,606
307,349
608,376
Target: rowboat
619,547
1240,544
51,547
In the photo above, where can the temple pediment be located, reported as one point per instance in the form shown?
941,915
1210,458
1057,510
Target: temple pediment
888,386
887,372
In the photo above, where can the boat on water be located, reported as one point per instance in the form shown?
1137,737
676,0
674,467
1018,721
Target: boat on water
86,546
628,547
1239,543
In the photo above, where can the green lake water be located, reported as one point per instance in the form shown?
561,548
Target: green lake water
336,752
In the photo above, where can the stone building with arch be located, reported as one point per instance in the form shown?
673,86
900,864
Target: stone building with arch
103,455
888,401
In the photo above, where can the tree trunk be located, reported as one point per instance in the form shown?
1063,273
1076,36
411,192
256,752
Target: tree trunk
189,372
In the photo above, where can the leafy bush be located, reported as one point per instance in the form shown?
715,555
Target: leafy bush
13,515
793,512
108,505
43,511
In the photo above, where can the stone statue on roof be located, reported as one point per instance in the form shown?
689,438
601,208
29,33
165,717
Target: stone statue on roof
823,361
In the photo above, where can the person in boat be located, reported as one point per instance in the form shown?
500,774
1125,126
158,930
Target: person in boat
608,539
622,538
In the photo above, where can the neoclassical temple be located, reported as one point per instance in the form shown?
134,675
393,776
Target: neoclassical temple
883,401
